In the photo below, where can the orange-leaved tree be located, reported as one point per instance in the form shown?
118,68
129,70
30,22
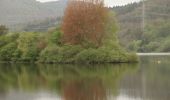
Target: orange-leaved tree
85,22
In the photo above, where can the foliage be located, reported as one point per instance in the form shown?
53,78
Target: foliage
56,54
88,35
89,56
49,54
8,38
152,46
55,36
157,37
85,21
135,45
165,47
155,34
77,54
7,51
27,44
33,47
41,42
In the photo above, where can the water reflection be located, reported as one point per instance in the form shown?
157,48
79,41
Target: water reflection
150,82
61,82
147,81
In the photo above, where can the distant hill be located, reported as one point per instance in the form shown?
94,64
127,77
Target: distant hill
155,36
15,13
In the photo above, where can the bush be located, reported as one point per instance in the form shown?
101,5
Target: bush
16,56
54,36
132,57
56,54
6,52
27,44
5,39
68,53
49,54
152,46
34,46
135,45
102,55
77,54
165,47
87,56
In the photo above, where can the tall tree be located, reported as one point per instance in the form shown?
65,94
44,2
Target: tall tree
85,22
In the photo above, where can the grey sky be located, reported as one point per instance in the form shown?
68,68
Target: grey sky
107,2
119,2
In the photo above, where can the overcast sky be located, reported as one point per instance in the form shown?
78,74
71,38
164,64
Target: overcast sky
107,2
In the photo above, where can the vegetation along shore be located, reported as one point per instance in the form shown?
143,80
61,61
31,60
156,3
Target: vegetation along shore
87,34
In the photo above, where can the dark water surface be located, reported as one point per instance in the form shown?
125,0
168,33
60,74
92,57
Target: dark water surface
148,80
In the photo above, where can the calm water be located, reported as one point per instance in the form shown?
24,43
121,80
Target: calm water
148,80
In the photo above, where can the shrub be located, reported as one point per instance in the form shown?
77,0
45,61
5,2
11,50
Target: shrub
102,55
5,39
7,51
68,53
135,45
27,44
165,47
152,46
49,54
56,54
87,56
96,56
55,36
132,57
16,56
42,42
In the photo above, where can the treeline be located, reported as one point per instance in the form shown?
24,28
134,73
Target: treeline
49,48
87,35
155,36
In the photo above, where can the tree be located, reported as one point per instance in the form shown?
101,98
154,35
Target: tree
27,44
85,22
3,29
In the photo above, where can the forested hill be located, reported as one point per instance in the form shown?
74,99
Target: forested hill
18,12
155,37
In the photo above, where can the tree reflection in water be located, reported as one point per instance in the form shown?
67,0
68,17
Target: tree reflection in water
71,82
88,89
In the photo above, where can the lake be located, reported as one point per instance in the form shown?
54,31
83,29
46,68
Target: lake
148,80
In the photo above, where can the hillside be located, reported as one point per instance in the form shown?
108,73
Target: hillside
16,13
155,36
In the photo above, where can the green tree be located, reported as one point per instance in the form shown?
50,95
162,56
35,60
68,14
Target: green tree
7,51
55,36
27,44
